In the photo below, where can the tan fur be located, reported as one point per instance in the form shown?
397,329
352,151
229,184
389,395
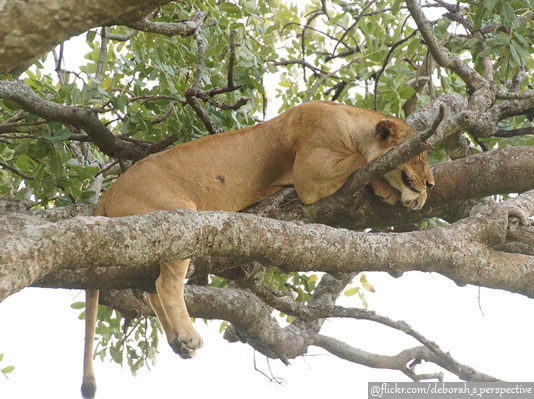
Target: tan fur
315,147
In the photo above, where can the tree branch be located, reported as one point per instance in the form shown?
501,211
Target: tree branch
184,27
82,118
442,56
195,91
252,323
17,17
34,249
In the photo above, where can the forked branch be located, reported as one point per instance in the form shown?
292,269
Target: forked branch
195,91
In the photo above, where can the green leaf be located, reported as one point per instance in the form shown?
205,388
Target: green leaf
515,54
104,313
508,16
489,4
229,7
395,8
87,194
56,135
223,326
352,291
522,40
56,163
78,305
90,36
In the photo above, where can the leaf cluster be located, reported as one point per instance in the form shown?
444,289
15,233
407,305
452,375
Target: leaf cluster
123,338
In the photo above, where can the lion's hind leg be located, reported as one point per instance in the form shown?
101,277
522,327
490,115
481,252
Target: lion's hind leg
170,307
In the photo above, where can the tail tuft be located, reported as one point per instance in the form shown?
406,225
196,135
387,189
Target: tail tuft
89,388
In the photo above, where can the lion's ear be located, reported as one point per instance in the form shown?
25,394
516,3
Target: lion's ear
385,130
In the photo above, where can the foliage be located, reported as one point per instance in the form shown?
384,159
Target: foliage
361,53
137,339
6,369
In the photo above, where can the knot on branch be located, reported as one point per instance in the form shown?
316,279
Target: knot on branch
518,231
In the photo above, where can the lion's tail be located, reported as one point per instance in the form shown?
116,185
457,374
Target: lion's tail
91,309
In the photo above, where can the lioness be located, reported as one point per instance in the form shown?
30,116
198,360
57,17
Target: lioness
315,147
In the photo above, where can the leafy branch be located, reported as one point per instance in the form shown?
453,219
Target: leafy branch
195,91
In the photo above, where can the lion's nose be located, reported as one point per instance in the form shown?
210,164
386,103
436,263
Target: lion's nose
429,185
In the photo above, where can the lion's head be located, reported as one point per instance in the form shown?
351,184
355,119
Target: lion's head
413,178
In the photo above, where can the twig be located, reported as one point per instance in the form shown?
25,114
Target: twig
315,69
122,38
161,144
272,378
313,15
112,164
59,60
358,18
13,127
12,169
184,27
195,92
101,63
328,75
164,116
339,87
384,65
514,132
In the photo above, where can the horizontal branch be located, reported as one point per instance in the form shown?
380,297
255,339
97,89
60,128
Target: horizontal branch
185,27
514,132
462,251
487,123
456,181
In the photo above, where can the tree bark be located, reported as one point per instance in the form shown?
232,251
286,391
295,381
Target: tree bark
463,251
23,38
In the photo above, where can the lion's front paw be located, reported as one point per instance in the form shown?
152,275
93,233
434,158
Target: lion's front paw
186,342
385,192
417,203
391,197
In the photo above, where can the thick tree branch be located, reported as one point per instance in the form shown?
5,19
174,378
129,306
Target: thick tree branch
23,39
33,250
461,180
487,123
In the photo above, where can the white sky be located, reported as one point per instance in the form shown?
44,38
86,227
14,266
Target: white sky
42,337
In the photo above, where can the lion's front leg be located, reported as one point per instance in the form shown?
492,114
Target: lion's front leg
384,191
170,307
